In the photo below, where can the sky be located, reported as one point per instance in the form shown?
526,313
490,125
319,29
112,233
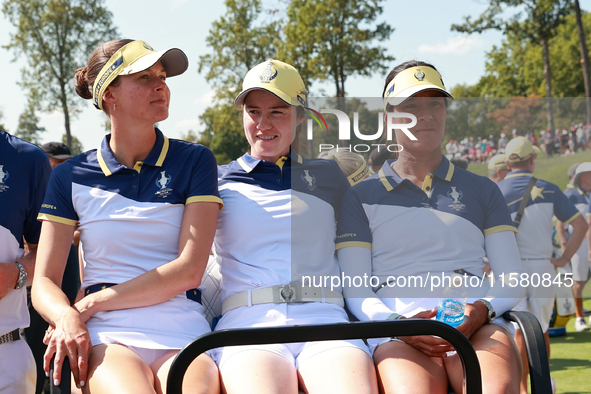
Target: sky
421,31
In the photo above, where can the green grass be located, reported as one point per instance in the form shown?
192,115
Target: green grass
570,357
570,354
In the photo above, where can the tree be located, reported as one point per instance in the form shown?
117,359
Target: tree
56,37
535,21
327,40
28,128
190,136
76,148
240,40
2,127
584,58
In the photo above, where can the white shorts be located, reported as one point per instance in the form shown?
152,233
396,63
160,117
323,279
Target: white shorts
581,267
148,355
277,315
18,373
538,300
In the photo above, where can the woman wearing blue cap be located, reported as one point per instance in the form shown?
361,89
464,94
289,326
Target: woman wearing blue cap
146,207
277,227
412,226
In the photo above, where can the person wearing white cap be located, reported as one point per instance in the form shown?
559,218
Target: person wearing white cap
146,207
418,217
497,168
277,231
578,194
534,238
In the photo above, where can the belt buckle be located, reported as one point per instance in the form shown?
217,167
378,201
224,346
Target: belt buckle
286,293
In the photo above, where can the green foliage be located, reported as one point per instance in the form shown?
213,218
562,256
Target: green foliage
190,136
240,40
224,133
76,148
56,37
2,127
516,67
328,40
28,128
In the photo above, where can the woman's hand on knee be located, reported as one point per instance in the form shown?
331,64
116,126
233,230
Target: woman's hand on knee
429,345
474,319
70,339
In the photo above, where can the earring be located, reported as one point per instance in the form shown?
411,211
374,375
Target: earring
114,107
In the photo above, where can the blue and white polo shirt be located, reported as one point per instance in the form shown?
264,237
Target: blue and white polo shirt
534,239
426,231
24,171
130,222
278,221
580,198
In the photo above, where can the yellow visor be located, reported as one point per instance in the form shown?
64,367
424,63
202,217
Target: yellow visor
412,81
359,175
133,58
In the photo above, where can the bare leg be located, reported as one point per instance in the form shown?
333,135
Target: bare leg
403,369
202,376
117,369
499,361
258,372
339,370
519,341
578,295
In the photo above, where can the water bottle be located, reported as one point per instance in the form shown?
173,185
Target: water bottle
450,309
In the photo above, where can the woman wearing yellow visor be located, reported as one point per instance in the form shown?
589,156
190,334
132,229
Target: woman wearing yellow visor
146,207
415,223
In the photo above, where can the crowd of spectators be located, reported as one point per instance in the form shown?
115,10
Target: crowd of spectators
562,142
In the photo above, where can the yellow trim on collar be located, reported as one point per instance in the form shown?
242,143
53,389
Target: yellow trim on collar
243,164
520,174
163,152
102,164
384,180
450,172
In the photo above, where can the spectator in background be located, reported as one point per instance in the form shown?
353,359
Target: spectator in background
24,171
503,142
578,194
451,148
57,153
497,168
534,238
352,164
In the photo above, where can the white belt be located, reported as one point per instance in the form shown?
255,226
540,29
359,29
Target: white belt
536,259
279,294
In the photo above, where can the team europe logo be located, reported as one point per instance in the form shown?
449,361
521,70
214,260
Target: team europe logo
310,180
456,196
163,183
3,178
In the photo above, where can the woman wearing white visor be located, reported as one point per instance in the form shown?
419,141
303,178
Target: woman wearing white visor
278,226
420,217
146,207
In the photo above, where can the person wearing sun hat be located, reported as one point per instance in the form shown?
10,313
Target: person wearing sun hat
277,228
578,194
497,168
146,207
420,216
534,238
